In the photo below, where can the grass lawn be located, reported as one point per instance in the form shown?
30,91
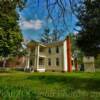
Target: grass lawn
49,86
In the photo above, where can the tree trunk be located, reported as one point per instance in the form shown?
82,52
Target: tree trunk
4,62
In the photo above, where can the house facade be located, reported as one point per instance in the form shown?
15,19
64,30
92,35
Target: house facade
50,57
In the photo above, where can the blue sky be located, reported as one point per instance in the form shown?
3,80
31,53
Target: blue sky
33,20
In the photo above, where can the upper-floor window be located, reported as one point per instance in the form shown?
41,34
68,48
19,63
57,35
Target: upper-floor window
57,61
42,49
57,49
49,50
49,62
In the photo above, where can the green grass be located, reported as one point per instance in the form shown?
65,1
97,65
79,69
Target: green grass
16,85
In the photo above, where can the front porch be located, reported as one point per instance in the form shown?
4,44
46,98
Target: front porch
36,58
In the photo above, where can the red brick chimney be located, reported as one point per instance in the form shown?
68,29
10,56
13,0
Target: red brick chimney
68,43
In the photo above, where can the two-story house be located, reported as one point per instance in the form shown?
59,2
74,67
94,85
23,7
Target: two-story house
54,56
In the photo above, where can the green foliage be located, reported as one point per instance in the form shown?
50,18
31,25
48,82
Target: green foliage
76,52
88,39
97,63
73,42
10,42
10,36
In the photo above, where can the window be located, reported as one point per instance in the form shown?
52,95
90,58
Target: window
49,50
41,61
57,61
57,49
41,49
49,62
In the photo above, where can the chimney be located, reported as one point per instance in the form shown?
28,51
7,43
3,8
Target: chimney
68,43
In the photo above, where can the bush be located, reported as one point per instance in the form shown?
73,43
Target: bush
4,70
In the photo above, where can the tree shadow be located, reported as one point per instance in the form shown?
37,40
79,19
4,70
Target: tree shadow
89,84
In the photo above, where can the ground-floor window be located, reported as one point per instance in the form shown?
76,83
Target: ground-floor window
49,62
41,61
57,61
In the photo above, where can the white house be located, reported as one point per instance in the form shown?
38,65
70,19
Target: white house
54,56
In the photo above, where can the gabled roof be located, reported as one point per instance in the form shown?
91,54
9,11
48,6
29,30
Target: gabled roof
55,43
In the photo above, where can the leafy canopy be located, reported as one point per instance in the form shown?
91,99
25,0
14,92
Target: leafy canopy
88,39
10,36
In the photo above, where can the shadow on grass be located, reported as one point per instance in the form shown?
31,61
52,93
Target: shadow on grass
89,84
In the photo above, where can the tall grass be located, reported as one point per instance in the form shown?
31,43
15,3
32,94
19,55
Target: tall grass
50,86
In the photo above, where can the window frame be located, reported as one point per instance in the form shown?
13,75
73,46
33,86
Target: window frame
57,49
49,50
49,61
57,62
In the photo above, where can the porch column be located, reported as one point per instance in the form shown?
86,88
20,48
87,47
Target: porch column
28,60
37,58
65,56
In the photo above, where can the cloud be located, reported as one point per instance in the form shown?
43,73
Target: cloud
30,24
37,24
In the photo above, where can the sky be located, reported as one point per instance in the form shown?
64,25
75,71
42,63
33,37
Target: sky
33,20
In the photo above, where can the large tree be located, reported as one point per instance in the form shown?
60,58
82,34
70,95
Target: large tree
10,36
88,39
49,36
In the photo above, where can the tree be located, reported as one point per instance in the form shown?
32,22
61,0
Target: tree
56,35
48,36
45,37
10,44
88,39
10,36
